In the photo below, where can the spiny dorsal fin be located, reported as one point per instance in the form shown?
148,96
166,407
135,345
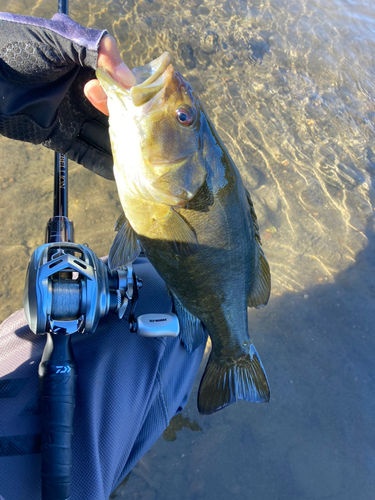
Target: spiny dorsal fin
192,333
254,217
125,247
261,289
179,234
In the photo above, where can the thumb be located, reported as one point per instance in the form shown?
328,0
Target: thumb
109,59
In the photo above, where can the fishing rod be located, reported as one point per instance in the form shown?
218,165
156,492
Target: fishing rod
68,289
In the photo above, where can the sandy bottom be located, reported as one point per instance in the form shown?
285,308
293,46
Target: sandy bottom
26,204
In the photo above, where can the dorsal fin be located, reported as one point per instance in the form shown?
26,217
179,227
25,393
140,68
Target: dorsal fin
261,289
253,216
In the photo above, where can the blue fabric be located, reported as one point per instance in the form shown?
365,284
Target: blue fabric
128,388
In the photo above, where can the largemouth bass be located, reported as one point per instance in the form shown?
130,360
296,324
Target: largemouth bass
185,203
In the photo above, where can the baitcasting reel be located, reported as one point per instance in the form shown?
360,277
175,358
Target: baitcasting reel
68,289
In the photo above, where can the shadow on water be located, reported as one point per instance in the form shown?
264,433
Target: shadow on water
315,439
178,423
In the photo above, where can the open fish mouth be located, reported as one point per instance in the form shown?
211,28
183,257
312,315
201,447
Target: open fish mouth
110,85
148,74
150,78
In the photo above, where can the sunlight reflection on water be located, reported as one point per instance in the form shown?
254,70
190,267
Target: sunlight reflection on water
290,88
291,97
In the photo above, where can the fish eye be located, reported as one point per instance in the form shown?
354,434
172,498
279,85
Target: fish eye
185,116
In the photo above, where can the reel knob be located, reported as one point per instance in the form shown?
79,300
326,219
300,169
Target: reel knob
158,325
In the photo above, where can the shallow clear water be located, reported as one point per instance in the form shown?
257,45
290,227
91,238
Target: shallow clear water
289,86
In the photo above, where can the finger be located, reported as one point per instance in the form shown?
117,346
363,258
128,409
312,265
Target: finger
96,95
109,58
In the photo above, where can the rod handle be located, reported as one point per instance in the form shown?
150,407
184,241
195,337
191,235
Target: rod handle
57,375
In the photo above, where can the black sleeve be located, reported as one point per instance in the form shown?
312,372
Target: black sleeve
44,65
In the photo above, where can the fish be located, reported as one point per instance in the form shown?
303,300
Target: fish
184,203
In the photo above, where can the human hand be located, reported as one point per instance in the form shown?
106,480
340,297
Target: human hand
109,59
45,65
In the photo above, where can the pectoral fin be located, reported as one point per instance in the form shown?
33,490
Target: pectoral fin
261,289
125,247
178,232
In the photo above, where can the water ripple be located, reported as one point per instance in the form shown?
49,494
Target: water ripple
289,86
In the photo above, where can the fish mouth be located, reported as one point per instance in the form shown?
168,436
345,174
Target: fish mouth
109,84
150,79
149,73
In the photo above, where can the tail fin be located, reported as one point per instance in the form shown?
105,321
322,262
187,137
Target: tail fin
225,381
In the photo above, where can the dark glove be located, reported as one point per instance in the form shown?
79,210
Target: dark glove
44,65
